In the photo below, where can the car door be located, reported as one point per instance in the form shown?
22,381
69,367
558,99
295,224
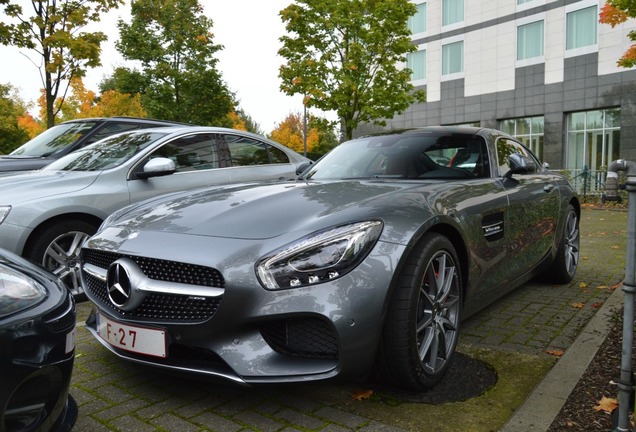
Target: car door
199,162
533,202
252,159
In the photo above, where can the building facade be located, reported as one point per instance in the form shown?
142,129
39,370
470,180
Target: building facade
544,71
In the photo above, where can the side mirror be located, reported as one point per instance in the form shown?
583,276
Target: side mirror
520,164
301,167
156,167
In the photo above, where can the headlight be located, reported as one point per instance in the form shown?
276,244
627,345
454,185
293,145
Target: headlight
4,212
18,292
322,256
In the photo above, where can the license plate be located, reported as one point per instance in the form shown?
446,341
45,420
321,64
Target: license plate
70,341
140,340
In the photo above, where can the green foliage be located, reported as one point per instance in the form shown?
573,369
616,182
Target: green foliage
250,124
53,30
178,80
327,138
345,56
11,108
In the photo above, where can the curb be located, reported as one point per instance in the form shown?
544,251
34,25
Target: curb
546,400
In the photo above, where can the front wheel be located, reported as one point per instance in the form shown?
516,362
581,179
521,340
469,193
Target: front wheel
57,248
422,324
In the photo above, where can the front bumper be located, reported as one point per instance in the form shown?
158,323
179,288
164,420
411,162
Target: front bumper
37,351
246,334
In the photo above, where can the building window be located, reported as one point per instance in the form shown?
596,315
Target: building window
416,61
581,28
417,22
593,141
530,40
453,58
452,12
528,130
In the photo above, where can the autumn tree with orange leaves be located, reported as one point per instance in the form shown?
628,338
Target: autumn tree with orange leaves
85,103
616,12
290,132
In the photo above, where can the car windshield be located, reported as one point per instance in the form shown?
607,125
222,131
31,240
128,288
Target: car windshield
107,153
405,156
53,140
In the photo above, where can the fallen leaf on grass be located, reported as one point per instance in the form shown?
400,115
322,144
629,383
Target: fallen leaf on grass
597,305
606,404
582,285
556,353
615,247
362,395
578,305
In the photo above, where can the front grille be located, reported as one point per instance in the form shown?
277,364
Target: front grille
169,271
304,337
159,306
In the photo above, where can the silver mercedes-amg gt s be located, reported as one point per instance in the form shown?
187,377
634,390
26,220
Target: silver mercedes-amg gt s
367,262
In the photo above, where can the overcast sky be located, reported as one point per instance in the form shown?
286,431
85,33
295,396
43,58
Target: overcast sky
249,31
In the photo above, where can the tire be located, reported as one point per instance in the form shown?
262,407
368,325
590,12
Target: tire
566,261
57,248
422,323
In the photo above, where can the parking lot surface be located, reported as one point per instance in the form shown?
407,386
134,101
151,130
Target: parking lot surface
533,323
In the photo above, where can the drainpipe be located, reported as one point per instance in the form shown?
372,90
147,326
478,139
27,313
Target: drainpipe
626,384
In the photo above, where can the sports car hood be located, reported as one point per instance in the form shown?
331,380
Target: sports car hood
267,211
32,185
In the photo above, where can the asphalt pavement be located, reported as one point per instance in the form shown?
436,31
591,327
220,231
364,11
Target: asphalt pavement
535,323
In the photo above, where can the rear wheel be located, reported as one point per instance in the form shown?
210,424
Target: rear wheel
566,262
57,248
422,325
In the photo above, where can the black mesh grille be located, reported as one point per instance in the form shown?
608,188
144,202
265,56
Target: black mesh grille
60,324
158,306
304,337
170,271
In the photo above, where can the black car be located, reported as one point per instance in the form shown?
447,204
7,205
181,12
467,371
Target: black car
37,348
69,136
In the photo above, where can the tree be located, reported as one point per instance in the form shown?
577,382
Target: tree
289,133
320,135
85,103
173,42
616,12
54,32
12,108
345,56
240,120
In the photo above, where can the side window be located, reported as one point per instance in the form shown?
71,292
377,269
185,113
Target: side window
506,147
463,153
191,153
277,155
247,151
110,129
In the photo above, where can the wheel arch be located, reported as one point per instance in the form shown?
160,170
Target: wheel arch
456,239
37,231
453,235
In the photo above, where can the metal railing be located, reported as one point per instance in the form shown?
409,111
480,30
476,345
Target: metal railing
586,181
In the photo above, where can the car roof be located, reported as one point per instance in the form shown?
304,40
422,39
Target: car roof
126,119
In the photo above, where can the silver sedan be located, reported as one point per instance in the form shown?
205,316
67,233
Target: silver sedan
46,215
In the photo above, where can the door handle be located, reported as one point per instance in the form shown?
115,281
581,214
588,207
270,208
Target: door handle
548,187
